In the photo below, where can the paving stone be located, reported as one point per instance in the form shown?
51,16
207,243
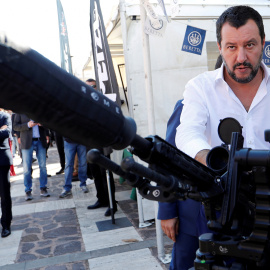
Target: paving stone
133,260
63,231
44,222
19,227
32,230
26,247
30,238
26,257
50,226
44,251
56,267
83,265
21,219
66,239
43,215
69,247
78,266
44,243
69,222
66,215
167,250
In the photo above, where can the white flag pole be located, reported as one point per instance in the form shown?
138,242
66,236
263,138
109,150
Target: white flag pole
124,37
147,75
122,7
151,117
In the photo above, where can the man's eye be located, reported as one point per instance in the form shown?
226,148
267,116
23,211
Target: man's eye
250,45
231,47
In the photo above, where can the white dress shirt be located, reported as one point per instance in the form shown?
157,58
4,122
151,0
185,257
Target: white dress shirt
209,99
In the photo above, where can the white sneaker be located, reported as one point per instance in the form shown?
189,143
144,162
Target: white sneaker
89,181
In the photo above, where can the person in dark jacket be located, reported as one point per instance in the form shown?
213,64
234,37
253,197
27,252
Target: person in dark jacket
5,162
33,136
100,178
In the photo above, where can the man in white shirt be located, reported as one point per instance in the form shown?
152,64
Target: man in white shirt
239,89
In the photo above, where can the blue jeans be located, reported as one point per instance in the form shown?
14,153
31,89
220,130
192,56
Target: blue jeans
15,145
70,151
27,156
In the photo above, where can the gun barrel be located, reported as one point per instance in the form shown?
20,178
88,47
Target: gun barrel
94,156
129,165
167,159
33,85
248,158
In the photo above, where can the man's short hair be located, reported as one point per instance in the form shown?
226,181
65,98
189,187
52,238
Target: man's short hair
91,80
238,16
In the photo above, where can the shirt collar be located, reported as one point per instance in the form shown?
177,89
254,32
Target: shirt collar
266,72
220,75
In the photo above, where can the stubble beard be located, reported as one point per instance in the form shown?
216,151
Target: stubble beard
252,75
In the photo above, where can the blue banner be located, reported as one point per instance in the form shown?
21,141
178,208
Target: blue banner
194,39
266,53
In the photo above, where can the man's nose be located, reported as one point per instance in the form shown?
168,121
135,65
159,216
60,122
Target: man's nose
241,56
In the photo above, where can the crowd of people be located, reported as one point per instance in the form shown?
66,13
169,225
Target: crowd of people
239,88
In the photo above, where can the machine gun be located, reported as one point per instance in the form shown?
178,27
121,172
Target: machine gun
236,202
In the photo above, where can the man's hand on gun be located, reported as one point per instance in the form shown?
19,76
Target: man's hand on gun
201,156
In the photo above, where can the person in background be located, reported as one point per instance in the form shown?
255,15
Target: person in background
100,179
11,143
15,144
71,148
59,140
5,162
33,137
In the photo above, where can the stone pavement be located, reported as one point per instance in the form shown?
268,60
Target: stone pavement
53,233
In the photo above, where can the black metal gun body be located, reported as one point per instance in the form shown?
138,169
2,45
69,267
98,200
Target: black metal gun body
242,229
171,163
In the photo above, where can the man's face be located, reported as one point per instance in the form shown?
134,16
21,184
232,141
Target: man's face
241,50
93,84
